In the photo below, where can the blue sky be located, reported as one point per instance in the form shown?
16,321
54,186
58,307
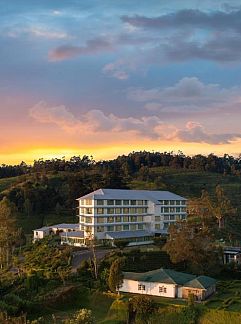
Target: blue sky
152,74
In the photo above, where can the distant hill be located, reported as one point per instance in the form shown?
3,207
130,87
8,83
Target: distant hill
44,198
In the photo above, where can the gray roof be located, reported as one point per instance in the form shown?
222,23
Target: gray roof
79,234
72,226
58,226
44,228
152,195
127,234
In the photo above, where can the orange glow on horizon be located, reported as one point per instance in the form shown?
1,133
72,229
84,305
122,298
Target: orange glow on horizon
98,152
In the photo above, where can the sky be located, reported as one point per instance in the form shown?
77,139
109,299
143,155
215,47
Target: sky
108,77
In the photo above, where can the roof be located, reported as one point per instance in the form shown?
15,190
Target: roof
201,282
127,234
160,275
58,226
79,234
72,226
44,228
152,195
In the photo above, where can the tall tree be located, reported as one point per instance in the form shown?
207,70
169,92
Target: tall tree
116,276
8,232
193,245
222,208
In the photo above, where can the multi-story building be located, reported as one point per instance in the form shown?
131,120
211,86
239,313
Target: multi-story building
136,215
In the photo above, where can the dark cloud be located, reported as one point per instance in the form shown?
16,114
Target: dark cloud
189,18
224,47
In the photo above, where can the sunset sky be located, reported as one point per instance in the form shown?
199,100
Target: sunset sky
107,77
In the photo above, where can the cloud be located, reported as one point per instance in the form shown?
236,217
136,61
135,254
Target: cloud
188,94
93,46
221,20
196,133
38,32
96,122
118,70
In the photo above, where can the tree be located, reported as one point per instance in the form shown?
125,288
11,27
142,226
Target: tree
222,209
8,232
193,245
143,307
83,316
116,276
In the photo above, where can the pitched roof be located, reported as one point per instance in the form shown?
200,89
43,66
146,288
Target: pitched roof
201,282
167,276
152,195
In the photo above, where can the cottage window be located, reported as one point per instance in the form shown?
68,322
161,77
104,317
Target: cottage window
141,287
162,289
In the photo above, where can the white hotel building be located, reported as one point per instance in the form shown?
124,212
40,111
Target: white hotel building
135,215
110,214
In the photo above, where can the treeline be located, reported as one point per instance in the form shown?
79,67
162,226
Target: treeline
130,164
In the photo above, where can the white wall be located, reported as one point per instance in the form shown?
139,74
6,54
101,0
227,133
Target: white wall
151,288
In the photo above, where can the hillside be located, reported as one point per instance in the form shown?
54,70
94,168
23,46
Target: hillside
48,199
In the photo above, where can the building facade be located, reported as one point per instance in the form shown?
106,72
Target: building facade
124,214
168,283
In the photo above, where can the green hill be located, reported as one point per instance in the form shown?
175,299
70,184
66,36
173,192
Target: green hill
50,198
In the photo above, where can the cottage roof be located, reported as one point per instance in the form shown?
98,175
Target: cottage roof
167,276
201,282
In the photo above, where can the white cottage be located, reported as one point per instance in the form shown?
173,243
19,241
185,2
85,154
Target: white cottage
168,283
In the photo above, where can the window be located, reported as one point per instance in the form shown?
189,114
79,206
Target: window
110,202
82,202
162,289
100,202
166,202
125,210
166,210
118,219
140,226
133,227
157,226
126,227
140,210
126,219
110,228
141,287
88,211
100,210
178,209
133,202
88,219
172,202
118,210
140,218
118,202
100,219
118,227
110,219
132,210
177,202
110,210
172,217
36,233
139,202
88,201
184,202
100,228
172,210
125,202
166,217
157,218
166,225
133,218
